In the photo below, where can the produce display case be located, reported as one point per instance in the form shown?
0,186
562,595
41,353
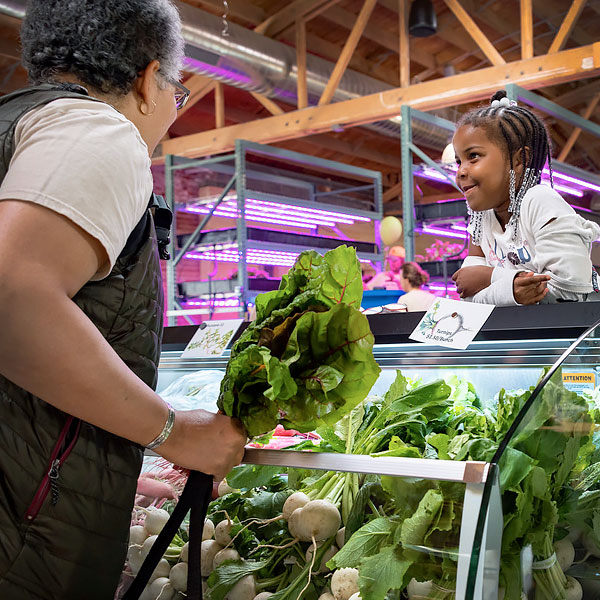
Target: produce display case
553,426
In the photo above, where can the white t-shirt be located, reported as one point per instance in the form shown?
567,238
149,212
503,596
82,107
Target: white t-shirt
84,160
551,239
417,300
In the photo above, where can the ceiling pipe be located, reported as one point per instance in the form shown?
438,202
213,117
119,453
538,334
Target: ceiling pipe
257,63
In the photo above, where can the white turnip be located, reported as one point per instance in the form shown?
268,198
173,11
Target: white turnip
156,519
356,596
208,530
418,590
162,569
565,553
222,532
296,500
185,552
340,537
137,535
224,488
244,589
134,559
222,555
326,596
319,519
344,583
263,596
160,589
147,545
573,589
329,553
590,546
178,577
208,551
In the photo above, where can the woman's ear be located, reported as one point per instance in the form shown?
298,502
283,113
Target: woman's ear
146,88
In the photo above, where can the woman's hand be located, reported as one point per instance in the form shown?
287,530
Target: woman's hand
205,441
470,280
529,288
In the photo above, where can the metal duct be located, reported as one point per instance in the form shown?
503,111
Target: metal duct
253,62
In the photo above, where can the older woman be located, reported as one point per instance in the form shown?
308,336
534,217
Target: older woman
81,295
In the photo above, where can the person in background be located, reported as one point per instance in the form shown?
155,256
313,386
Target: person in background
81,304
390,279
527,244
413,278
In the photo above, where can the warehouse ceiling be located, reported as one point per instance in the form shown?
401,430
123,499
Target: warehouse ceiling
488,36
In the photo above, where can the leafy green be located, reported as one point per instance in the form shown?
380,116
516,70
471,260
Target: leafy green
384,571
221,580
307,360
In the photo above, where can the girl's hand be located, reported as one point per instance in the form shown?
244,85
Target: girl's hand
529,288
470,280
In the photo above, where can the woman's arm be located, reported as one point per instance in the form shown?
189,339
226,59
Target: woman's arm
50,348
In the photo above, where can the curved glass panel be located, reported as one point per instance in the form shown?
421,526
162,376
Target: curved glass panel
550,483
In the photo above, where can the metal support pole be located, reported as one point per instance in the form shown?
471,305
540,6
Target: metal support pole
194,237
408,201
242,233
171,265
377,221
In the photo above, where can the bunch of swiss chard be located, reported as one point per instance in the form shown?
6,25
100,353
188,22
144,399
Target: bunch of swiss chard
307,359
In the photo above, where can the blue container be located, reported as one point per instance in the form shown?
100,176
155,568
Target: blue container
380,297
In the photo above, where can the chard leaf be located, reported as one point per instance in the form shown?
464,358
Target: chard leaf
329,435
224,577
369,489
364,542
382,572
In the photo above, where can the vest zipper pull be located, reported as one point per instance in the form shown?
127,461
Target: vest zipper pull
53,475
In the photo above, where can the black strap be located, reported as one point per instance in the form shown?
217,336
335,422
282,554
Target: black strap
195,498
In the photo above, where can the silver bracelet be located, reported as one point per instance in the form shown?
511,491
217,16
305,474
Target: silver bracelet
166,432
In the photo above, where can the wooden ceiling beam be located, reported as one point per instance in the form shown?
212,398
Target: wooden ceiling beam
273,108
301,86
567,26
532,73
475,32
580,94
577,131
551,10
526,29
404,46
283,19
347,52
219,106
199,86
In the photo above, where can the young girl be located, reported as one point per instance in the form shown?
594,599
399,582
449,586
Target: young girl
527,244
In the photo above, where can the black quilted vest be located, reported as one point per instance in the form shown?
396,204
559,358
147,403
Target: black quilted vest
67,488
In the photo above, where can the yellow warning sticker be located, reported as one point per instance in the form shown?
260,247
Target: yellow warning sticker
579,378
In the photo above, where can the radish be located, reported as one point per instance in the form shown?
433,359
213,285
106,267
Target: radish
224,488
574,590
137,535
344,583
565,553
147,545
296,500
319,519
244,589
178,577
417,590
208,551
356,596
209,530
263,596
340,537
222,555
223,532
330,553
574,534
326,596
162,569
156,519
185,551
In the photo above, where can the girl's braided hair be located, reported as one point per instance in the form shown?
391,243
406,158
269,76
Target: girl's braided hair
516,128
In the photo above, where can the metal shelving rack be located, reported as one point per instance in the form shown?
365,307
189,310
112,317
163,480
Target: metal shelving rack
297,180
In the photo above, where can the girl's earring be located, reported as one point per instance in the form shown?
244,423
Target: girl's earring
512,192
475,219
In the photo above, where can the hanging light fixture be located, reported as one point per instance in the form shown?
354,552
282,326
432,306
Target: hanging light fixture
422,21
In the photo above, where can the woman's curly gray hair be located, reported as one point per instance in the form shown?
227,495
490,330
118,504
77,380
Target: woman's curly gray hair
104,43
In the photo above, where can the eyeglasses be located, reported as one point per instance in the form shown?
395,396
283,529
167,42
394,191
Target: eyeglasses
181,94
387,308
